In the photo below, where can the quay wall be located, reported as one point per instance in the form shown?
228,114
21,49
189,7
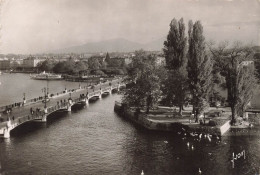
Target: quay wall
143,121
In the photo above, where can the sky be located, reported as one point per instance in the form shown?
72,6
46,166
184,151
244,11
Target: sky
36,26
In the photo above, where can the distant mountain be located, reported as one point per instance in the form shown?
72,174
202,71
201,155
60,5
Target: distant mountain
155,45
113,45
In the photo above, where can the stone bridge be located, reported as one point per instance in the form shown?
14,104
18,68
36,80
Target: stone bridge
38,111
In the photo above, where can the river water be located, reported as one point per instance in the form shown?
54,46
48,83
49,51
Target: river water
94,141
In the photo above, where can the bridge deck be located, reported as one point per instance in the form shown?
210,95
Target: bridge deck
55,103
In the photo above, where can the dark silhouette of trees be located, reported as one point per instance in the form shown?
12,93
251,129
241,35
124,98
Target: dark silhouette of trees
257,64
199,68
80,66
46,65
176,61
64,67
94,63
236,65
144,90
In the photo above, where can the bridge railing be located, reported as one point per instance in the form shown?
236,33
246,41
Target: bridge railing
40,98
59,106
21,119
107,88
93,93
32,100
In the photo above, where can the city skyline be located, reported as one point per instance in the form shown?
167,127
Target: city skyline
42,26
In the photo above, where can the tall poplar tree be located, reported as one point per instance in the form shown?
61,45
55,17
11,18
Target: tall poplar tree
176,62
199,68
236,65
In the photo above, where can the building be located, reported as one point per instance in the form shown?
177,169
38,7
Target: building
4,64
30,62
128,60
247,63
15,63
160,60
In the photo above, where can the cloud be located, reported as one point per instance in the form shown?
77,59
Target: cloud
30,26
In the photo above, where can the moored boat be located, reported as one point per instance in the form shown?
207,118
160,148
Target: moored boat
46,76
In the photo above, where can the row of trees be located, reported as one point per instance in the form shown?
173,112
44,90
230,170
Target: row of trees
193,68
94,64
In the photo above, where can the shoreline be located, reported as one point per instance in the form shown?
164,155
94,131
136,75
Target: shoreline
171,124
186,124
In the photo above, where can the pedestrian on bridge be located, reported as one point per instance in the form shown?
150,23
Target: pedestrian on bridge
31,110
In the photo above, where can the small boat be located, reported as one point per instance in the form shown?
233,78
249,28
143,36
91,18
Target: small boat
46,76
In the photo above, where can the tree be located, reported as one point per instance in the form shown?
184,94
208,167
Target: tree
199,68
246,83
104,65
236,65
93,63
145,87
46,65
79,67
64,67
257,64
107,59
175,54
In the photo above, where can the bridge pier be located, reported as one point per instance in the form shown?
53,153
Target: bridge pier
69,108
7,133
100,95
44,117
7,130
86,101
69,105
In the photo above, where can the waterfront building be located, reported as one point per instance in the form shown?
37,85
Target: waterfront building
15,63
4,64
31,62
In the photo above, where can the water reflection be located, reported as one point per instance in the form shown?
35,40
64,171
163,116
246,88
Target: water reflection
95,140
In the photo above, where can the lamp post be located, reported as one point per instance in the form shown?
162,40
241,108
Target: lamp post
24,101
44,90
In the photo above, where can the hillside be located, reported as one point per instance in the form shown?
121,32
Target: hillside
113,45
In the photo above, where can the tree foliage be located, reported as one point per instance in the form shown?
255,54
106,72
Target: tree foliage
94,63
175,45
235,65
257,64
175,85
46,65
64,67
145,86
70,67
199,68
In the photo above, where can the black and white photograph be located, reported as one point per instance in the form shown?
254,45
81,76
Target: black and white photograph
129,87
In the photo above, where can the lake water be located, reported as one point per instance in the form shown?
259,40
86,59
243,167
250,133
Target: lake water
94,141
